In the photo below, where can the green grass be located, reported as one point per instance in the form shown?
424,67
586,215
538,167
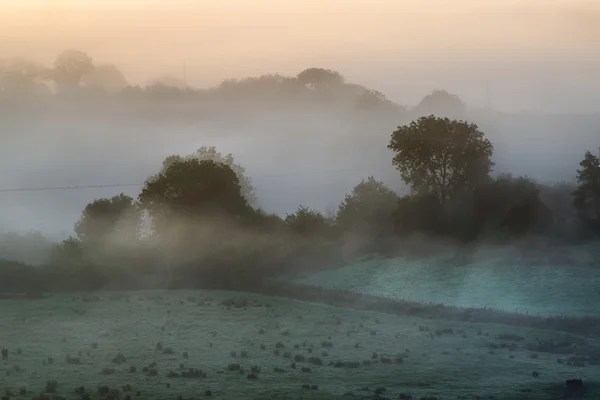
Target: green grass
492,282
444,359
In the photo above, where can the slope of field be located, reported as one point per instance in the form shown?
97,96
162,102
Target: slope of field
493,283
170,333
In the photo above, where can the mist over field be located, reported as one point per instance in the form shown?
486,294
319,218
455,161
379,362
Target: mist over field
316,199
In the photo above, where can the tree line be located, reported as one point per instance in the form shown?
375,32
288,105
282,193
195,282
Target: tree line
196,222
75,75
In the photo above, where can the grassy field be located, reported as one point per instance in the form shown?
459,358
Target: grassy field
494,283
96,341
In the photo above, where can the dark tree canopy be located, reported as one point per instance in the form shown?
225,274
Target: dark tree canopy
306,221
320,77
116,219
510,206
193,188
441,156
368,209
211,153
586,198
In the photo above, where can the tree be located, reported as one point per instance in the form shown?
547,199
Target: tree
368,209
441,156
104,221
70,66
308,222
191,188
169,81
320,77
441,103
105,77
586,198
373,100
69,252
510,206
22,77
211,153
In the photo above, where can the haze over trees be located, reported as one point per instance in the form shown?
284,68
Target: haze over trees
443,171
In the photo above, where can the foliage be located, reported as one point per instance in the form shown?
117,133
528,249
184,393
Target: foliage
20,77
308,222
441,156
105,77
69,252
367,210
320,78
115,220
205,228
586,198
70,66
510,206
192,189
418,213
211,153
441,103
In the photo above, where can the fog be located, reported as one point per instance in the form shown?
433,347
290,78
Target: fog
533,64
536,55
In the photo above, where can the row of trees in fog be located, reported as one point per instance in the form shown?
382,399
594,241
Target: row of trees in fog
197,220
197,216
75,73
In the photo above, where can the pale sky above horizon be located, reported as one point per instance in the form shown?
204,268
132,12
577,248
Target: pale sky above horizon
399,47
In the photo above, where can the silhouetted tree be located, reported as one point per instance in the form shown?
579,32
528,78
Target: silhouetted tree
308,222
320,77
190,188
586,198
368,209
211,153
442,104
511,207
418,213
109,221
22,77
441,156
374,100
69,252
105,77
70,66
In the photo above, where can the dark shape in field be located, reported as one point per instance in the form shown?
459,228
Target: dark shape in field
574,389
4,354
119,359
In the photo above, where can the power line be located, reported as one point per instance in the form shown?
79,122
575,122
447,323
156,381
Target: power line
44,188
114,185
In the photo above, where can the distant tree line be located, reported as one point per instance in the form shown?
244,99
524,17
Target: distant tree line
75,75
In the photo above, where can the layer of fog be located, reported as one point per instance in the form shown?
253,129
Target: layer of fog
536,56
303,159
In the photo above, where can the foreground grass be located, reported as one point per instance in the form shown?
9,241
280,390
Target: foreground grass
159,345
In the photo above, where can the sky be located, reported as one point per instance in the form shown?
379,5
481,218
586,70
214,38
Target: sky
532,54
521,55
